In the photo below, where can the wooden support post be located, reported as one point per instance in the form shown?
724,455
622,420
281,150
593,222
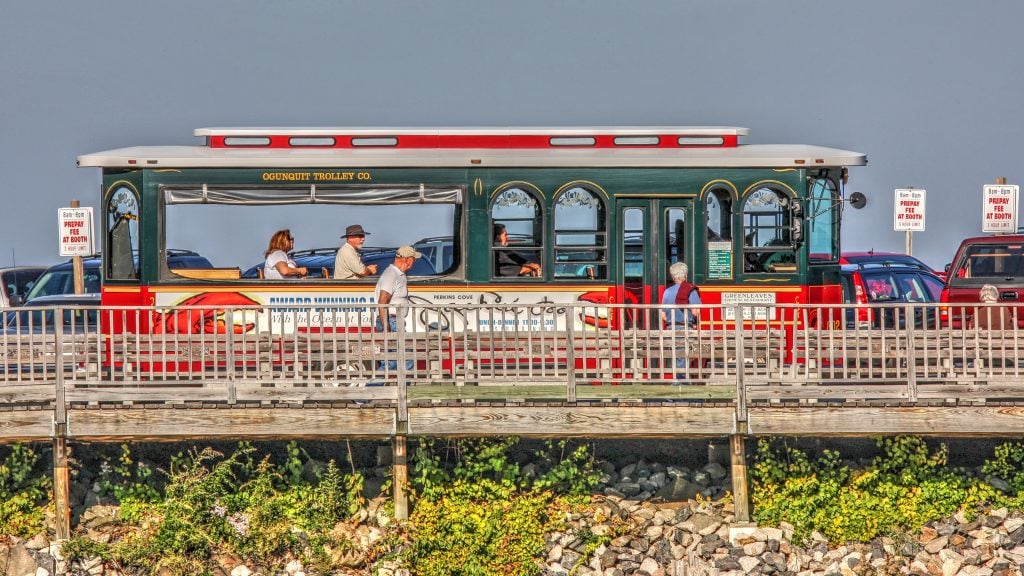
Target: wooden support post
741,496
61,479
400,474
61,488
77,265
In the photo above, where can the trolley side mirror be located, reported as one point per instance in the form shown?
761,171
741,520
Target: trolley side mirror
858,200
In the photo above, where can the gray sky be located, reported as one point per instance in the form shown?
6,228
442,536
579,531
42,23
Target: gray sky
931,92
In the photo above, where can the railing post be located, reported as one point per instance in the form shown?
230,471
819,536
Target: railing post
403,410
61,478
570,354
741,391
230,354
908,318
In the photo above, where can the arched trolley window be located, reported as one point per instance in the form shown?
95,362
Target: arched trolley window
517,232
581,240
122,241
718,206
772,229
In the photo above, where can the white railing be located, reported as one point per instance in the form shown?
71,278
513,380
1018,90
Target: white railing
569,352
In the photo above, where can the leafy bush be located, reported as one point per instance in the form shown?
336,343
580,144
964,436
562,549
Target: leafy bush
254,510
904,487
477,513
24,491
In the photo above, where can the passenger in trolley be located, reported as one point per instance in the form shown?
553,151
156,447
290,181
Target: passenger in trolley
278,265
508,263
348,264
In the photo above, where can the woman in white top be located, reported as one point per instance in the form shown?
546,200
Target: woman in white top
278,265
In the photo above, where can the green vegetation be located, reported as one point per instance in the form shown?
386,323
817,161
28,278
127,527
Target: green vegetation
255,510
478,506
476,512
24,491
904,486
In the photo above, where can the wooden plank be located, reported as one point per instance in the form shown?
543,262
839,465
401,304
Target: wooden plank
306,394
828,391
819,420
11,393
163,424
586,421
166,393
25,425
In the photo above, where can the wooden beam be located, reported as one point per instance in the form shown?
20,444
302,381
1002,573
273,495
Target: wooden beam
176,424
586,421
25,425
870,420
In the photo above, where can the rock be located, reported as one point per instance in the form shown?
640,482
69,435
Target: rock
293,567
716,471
927,534
754,549
937,544
678,490
554,554
728,563
649,565
569,559
241,570
17,560
748,563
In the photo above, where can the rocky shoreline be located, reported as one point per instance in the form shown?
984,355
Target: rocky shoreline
648,519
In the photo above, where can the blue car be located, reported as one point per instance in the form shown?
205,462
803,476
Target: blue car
60,278
320,262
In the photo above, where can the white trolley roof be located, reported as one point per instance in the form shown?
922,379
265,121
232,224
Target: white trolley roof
471,147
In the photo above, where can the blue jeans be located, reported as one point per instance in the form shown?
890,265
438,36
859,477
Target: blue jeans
391,365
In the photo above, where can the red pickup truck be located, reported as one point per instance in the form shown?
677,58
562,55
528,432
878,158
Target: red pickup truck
995,260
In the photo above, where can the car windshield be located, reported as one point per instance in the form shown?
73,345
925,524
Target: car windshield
19,282
62,281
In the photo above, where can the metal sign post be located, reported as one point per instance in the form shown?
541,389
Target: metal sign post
908,213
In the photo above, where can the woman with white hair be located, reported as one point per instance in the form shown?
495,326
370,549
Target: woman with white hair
679,294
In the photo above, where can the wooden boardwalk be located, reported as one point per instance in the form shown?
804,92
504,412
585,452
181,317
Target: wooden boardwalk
777,377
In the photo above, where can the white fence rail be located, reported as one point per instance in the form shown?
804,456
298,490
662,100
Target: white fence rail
552,352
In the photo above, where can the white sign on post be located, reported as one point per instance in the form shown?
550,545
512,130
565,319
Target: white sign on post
999,208
908,210
74,227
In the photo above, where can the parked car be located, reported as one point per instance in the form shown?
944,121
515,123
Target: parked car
894,258
981,260
439,251
16,282
60,279
37,316
28,343
888,283
320,262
